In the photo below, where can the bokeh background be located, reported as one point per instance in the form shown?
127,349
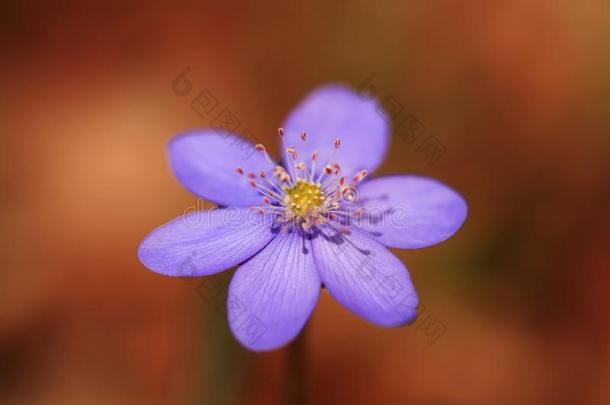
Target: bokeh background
516,92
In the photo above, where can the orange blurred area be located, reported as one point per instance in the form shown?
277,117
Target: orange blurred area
517,92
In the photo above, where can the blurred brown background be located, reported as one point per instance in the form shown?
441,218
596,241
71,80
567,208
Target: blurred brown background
517,92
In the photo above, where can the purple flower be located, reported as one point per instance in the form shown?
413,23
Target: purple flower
314,222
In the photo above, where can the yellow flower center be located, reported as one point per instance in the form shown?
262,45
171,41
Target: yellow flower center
302,197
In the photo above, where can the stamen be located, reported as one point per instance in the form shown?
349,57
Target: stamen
270,194
272,184
261,148
280,173
359,177
282,135
303,136
314,159
331,184
307,224
262,189
292,152
282,177
349,193
303,168
337,144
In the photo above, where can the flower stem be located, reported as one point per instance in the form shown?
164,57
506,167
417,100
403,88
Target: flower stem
296,371
224,359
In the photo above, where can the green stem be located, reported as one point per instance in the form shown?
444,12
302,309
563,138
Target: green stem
296,371
224,367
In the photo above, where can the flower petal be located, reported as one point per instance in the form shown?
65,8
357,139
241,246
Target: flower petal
337,112
272,295
205,242
410,212
205,163
365,278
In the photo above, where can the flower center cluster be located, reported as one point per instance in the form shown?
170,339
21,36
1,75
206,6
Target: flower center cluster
301,195
303,198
